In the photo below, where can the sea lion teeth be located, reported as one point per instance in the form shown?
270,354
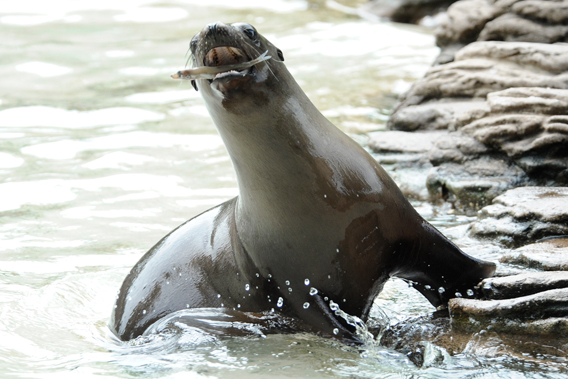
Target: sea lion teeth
210,72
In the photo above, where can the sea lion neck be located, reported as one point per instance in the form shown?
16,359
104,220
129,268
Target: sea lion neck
274,133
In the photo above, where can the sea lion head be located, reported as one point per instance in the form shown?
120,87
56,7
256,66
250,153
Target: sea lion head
222,44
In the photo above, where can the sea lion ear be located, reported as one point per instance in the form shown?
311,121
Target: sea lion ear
280,54
194,85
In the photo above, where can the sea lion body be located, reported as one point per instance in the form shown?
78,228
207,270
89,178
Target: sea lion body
317,221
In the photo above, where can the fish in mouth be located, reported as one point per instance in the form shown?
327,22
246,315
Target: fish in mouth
222,62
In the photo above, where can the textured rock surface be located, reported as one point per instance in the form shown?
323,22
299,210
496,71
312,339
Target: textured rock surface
524,215
502,20
523,284
479,69
505,106
543,313
408,11
549,255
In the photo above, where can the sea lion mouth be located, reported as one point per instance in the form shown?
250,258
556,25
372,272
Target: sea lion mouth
224,56
222,62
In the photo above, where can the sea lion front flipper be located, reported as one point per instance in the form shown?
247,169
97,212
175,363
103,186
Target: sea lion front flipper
440,270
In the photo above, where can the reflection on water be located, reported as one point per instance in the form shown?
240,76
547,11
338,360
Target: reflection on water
101,154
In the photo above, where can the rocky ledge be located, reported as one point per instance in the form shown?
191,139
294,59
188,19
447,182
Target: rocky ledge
500,96
486,129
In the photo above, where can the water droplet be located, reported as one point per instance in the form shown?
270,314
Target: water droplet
218,296
333,306
272,310
326,298
180,274
324,196
247,287
187,305
313,291
257,275
344,300
289,289
144,312
280,302
307,282
270,275
336,331
222,304
458,294
238,305
427,286
441,290
470,292
329,276
287,282
167,282
337,250
306,305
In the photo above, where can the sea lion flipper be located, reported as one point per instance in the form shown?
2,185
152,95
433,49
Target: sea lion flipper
440,270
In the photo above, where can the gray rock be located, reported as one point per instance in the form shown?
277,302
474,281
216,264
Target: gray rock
542,313
523,215
550,58
548,255
514,28
407,11
473,183
466,19
517,117
523,284
474,75
554,12
502,20
403,142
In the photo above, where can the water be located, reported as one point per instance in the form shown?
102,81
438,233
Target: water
101,154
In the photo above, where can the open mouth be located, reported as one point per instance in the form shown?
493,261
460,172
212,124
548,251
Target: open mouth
221,62
227,56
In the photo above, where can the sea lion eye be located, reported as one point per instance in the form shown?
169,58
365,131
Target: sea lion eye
280,54
248,29
251,33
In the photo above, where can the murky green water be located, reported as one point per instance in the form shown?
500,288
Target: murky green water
101,154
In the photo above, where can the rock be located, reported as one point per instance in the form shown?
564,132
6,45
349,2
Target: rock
523,284
545,11
403,142
418,337
474,75
502,20
543,313
548,255
550,58
523,215
506,108
466,19
473,183
407,11
515,28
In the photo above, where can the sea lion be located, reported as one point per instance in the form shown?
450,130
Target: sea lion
317,224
